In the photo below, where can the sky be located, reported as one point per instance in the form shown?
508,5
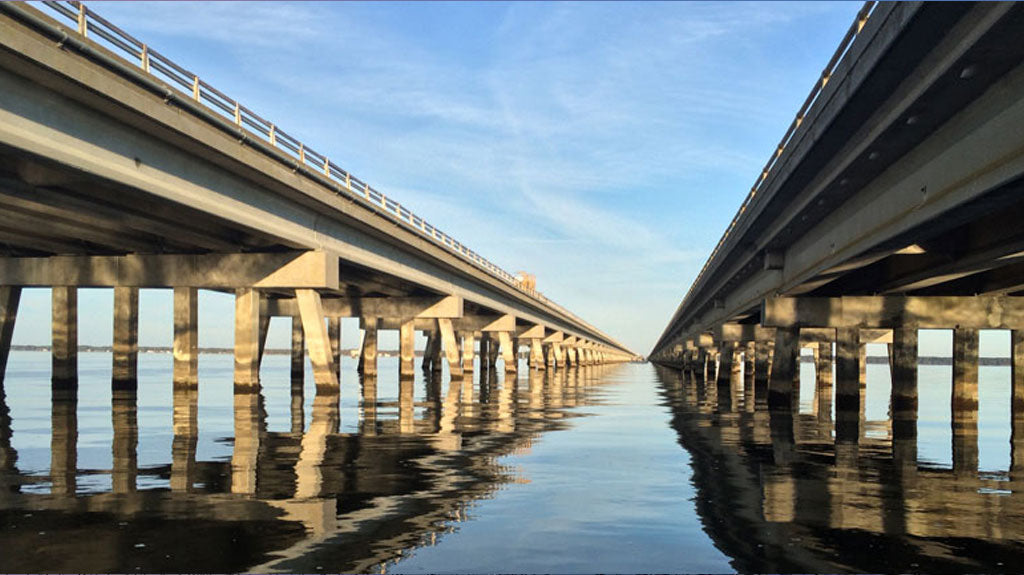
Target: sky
603,147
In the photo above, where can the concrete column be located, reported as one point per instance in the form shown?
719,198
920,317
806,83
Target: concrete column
468,343
536,354
494,349
186,433
298,354
1017,407
435,351
903,399
407,349
724,377
550,357
10,296
749,396
964,403
334,335
559,353
848,398
485,340
509,351
124,447
125,373
186,336
451,347
65,337
247,337
428,350
785,368
368,354
321,354
823,382
64,442
264,327
570,357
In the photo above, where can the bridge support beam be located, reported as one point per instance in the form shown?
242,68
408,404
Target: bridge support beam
247,337
321,353
903,397
64,345
334,334
407,349
298,351
468,345
509,351
368,352
450,346
186,337
964,403
536,355
10,296
1017,407
125,373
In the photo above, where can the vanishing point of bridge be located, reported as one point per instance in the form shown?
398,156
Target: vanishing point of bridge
121,169
893,204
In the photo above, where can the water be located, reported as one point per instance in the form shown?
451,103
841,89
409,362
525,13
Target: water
625,468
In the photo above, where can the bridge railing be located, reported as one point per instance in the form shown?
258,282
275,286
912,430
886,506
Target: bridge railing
819,86
91,25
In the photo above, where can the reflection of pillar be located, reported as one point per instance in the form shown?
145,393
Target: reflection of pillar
63,442
186,434
247,337
407,348
964,404
1017,407
903,400
368,355
9,298
309,467
761,374
749,400
848,396
248,420
125,371
186,336
126,441
406,405
506,404
779,496
65,337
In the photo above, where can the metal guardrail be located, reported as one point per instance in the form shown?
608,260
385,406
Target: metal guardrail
93,26
819,86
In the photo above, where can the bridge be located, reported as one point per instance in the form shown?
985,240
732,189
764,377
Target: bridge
121,169
892,204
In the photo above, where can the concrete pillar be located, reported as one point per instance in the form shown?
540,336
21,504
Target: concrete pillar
407,349
186,434
1017,407
536,354
321,354
334,335
125,374
964,401
264,324
823,382
724,378
485,340
64,442
368,354
509,351
186,336
247,337
749,395
559,353
450,346
468,343
848,397
124,447
298,355
435,351
65,337
551,358
903,399
10,296
570,357
785,368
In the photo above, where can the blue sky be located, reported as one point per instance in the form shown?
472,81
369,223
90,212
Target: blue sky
602,146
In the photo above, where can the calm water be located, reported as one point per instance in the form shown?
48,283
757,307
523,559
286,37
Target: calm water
626,468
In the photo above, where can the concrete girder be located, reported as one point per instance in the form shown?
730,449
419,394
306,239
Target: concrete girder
888,312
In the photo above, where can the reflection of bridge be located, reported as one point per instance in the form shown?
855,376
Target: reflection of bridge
286,501
892,204
777,493
120,169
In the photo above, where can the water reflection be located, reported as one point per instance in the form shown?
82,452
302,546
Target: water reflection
807,488
303,499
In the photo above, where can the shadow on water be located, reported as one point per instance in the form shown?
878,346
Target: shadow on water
317,495
808,487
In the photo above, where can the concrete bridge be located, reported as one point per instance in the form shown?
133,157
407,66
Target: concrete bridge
892,204
121,169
